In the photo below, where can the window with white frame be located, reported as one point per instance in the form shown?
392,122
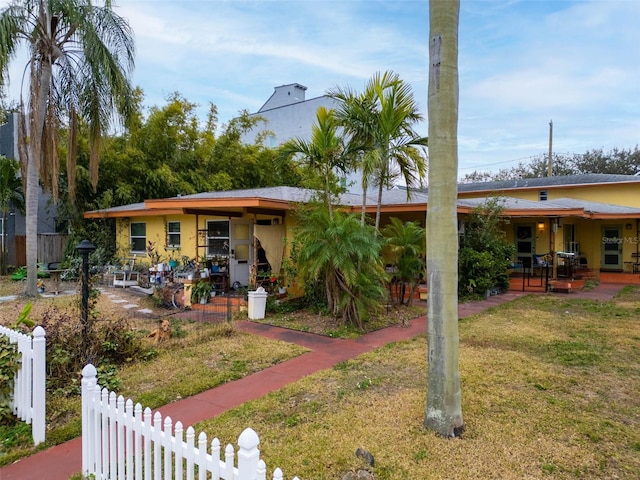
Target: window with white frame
217,237
173,234
138,237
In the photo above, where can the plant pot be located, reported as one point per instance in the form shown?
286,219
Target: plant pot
204,301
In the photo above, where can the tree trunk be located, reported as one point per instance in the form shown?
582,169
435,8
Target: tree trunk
378,206
3,260
39,95
443,412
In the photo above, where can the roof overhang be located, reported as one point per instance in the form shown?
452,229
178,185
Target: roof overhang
131,213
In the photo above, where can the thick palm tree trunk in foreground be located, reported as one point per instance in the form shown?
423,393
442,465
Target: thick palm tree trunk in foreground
444,411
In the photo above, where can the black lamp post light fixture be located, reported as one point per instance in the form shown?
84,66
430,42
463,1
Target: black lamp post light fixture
85,247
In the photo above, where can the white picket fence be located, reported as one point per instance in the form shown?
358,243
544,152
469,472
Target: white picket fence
121,441
29,393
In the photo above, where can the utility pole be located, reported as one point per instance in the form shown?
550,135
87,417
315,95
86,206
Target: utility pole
550,171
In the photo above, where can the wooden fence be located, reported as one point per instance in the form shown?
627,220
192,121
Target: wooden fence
29,393
120,440
51,247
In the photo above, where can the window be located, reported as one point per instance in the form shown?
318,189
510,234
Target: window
173,234
217,238
138,237
542,195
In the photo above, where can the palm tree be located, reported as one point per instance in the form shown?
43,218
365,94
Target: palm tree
10,195
443,412
79,59
380,121
344,258
324,154
406,244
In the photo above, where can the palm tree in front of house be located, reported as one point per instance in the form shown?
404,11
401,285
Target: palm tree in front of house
324,155
10,196
443,411
79,57
381,122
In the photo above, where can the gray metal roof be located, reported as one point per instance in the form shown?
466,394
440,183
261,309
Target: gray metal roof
557,181
512,203
289,194
398,196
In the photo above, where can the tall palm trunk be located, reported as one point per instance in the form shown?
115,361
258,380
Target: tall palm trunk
39,95
3,265
443,410
365,187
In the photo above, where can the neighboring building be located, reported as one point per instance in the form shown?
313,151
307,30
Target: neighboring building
15,231
288,114
594,219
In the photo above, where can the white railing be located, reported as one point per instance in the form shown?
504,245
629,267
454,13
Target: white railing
121,441
29,392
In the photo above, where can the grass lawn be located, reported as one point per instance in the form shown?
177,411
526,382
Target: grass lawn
549,386
550,389
198,356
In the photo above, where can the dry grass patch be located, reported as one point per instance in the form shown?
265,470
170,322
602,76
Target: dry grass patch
319,323
198,356
549,391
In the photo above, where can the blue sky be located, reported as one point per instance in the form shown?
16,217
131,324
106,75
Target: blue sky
522,63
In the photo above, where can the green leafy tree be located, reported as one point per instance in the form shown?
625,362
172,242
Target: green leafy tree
346,256
79,58
10,195
250,166
380,120
485,253
443,413
616,161
406,245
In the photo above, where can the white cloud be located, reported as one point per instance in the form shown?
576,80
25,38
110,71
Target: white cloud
522,63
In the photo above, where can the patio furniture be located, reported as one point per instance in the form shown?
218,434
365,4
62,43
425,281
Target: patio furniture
127,276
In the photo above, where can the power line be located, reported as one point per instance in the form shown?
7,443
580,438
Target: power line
531,157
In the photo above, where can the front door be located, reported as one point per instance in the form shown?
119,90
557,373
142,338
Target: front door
240,251
524,244
611,247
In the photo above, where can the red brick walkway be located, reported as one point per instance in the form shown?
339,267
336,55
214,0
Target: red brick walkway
62,461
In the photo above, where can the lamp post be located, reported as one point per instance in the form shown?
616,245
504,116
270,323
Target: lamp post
85,247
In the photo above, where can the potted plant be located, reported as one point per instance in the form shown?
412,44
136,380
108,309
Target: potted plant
201,292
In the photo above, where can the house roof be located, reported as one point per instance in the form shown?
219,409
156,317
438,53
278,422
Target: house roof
560,207
546,182
278,200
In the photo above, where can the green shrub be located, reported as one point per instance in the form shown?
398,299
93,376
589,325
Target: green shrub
485,254
107,344
9,364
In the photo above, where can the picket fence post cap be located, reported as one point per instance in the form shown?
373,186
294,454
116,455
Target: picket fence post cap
248,439
89,371
38,331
